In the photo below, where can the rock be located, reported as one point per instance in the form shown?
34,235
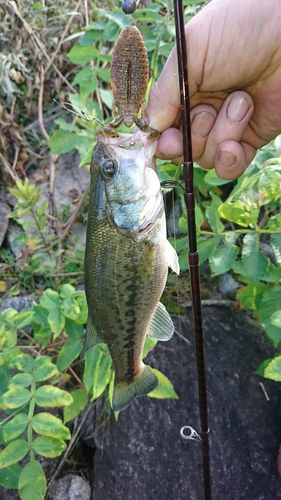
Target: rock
19,303
70,487
228,286
144,457
4,221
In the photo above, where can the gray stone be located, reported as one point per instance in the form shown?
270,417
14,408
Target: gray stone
70,487
144,457
228,286
19,303
4,221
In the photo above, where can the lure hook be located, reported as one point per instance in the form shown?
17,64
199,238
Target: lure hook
194,436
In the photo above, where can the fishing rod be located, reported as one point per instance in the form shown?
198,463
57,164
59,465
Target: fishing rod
129,7
193,255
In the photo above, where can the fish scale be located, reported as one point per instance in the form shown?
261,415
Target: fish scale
126,262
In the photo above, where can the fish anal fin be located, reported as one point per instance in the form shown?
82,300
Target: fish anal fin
172,258
125,393
92,337
161,326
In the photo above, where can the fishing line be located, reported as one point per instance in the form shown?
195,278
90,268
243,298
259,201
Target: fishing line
172,184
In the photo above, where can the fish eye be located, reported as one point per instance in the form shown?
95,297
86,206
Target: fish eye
109,168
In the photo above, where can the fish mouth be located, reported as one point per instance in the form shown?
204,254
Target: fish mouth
146,228
150,223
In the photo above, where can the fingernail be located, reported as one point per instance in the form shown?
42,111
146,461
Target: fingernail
226,159
237,108
202,123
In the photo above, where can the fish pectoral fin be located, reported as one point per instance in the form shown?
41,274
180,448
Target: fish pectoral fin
172,258
161,326
124,393
92,337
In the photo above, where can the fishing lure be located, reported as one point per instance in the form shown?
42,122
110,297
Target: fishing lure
129,79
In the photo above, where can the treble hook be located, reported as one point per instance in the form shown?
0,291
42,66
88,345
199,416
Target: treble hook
194,436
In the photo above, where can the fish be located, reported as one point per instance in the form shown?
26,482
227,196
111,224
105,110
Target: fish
127,256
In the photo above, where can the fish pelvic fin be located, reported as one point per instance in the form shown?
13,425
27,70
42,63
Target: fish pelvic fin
125,393
172,258
161,326
92,337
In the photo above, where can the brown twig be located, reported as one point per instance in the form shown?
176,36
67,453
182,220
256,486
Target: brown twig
72,219
40,104
70,445
62,37
39,44
8,168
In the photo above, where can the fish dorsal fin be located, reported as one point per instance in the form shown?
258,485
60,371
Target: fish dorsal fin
172,258
161,326
92,337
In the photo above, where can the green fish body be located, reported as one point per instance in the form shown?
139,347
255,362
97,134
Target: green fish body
126,260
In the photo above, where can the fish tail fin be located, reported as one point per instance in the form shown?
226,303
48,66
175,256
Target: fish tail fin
124,393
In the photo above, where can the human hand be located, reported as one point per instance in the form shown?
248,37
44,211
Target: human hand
234,69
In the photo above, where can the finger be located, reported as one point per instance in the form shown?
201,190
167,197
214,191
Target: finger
170,144
232,159
230,125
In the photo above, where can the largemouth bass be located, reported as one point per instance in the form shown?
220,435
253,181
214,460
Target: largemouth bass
126,260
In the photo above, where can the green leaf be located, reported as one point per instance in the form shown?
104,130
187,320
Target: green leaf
15,397
67,291
206,246
23,362
107,97
222,258
213,215
254,261
212,179
275,240
50,396
251,295
82,54
80,399
62,141
165,389
271,302
13,453
37,6
48,447
235,211
45,370
97,370
15,427
148,345
9,477
91,36
40,314
70,308
275,319
69,352
20,379
273,369
50,300
262,367
48,425
23,318
32,482
73,329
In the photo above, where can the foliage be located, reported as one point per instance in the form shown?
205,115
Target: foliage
232,234
157,25
40,351
40,243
